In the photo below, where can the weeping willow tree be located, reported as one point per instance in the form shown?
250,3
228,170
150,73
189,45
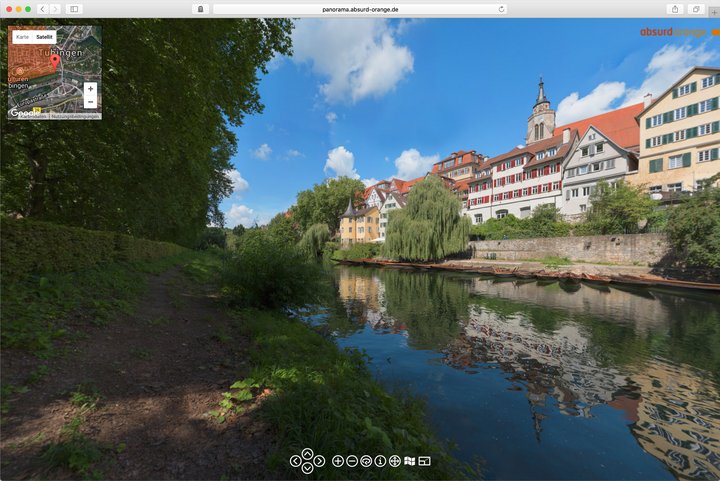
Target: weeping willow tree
314,239
430,226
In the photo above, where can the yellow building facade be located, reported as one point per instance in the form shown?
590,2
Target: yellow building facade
357,226
680,135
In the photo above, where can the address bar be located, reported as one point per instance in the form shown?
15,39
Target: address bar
360,9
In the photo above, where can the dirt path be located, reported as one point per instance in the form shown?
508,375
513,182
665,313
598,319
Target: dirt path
158,373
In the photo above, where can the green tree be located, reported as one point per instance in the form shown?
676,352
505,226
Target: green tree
284,228
617,209
157,165
325,202
694,228
546,221
313,240
430,226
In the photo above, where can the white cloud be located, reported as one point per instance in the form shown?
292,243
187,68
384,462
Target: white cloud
342,162
263,152
359,57
240,214
666,66
331,117
573,107
412,164
239,184
370,181
292,153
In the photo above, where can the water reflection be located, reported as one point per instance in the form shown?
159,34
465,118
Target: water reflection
652,356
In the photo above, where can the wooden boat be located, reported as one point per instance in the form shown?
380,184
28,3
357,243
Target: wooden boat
593,279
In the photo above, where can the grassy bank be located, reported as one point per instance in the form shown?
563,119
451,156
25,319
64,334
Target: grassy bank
319,397
325,399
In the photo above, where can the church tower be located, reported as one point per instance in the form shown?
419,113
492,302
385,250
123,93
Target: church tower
541,123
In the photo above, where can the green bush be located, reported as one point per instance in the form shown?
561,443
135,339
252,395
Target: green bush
39,247
694,229
357,251
545,221
213,237
265,271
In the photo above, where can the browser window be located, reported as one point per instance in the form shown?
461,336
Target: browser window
554,344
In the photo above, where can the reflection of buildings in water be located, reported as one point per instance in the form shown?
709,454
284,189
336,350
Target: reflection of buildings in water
364,299
645,313
678,419
674,411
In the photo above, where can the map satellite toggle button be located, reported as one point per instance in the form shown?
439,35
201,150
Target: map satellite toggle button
34,37
90,95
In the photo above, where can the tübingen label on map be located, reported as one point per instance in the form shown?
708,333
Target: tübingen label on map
55,73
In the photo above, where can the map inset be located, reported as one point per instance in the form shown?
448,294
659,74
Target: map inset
54,73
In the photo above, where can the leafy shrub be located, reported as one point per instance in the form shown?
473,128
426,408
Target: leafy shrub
266,272
357,251
546,221
618,209
213,237
694,229
39,247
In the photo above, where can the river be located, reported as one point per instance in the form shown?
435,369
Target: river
542,380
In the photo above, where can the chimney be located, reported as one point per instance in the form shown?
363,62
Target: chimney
566,136
647,100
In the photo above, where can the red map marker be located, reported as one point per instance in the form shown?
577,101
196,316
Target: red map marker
55,60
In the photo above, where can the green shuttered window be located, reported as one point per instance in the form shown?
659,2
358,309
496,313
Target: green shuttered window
656,165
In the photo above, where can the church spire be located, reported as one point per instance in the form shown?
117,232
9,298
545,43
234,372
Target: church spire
349,212
541,92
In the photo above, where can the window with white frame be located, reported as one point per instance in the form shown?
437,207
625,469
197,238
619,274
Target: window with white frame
675,162
582,170
708,81
597,166
556,185
570,173
552,151
585,151
535,189
701,184
656,120
591,137
545,188
680,113
679,135
655,141
599,147
683,90
677,187
703,155
496,197
704,106
478,218
575,192
505,195
610,164
655,189
704,129
541,155
501,213
583,207
586,191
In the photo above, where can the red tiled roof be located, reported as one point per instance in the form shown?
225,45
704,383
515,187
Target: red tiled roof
407,184
534,148
618,125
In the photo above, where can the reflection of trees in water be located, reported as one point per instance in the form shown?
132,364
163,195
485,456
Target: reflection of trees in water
431,306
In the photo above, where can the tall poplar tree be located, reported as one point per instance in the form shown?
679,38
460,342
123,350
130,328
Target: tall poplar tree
430,226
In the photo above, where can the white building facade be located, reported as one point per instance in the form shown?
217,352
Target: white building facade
394,200
597,158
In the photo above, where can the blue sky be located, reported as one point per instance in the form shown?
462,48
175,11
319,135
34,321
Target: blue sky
374,98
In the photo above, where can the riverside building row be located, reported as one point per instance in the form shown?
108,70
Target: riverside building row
669,145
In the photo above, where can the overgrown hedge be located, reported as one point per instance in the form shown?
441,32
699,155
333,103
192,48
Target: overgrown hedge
38,247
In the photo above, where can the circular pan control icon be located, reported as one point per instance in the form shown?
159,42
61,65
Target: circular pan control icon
307,468
307,453
295,461
395,461
319,461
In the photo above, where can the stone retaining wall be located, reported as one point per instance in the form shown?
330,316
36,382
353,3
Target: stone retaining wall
645,249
